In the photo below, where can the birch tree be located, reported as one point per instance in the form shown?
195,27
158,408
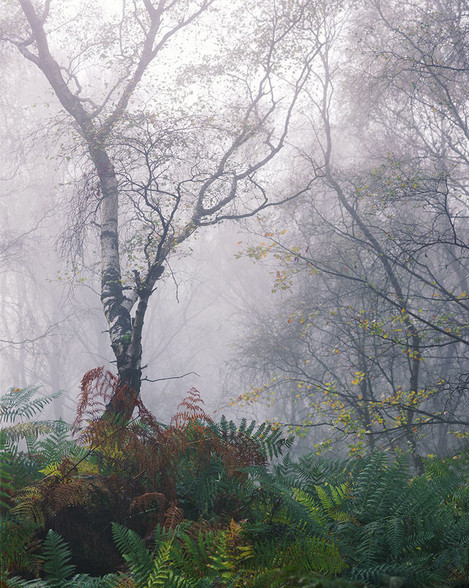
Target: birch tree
170,170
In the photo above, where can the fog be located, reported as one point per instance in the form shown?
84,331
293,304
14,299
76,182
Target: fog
267,201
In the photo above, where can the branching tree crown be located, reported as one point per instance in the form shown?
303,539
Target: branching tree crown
166,165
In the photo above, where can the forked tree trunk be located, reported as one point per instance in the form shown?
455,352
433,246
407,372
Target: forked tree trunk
160,21
125,333
125,336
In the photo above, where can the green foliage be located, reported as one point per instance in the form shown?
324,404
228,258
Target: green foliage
150,569
132,547
23,403
7,454
57,566
18,469
270,439
218,516
18,545
383,522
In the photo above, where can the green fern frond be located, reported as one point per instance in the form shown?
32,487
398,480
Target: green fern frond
21,402
134,553
151,571
199,489
220,560
59,445
331,497
242,425
268,439
395,535
310,471
313,509
272,440
57,566
317,555
161,566
30,430
300,555
370,547
51,469
193,550
263,577
249,430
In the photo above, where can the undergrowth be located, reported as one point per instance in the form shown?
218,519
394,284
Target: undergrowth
196,503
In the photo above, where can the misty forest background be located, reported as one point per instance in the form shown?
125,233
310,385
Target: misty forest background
264,202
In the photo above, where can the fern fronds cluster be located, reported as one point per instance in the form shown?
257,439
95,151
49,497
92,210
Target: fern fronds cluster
382,521
195,504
